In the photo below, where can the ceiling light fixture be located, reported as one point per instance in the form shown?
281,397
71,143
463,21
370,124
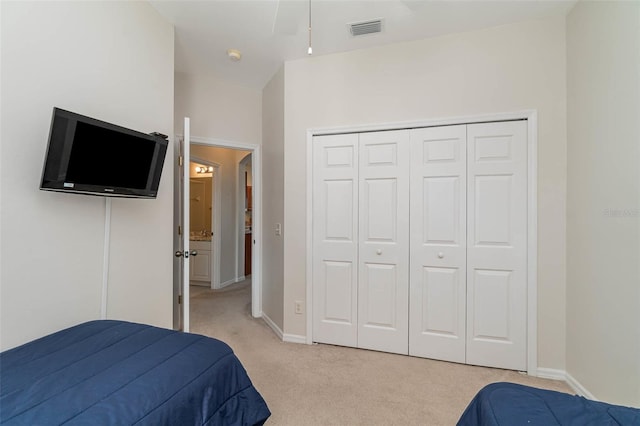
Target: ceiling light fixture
310,50
234,54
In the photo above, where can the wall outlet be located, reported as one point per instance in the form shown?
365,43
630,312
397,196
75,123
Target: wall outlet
299,307
278,229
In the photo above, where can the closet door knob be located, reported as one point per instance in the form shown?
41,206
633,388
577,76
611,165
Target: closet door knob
440,255
379,251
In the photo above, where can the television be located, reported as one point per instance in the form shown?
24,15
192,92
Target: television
89,156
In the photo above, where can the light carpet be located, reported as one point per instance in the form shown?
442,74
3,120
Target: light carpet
332,385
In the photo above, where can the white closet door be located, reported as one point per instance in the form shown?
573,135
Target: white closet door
497,245
438,243
384,241
335,239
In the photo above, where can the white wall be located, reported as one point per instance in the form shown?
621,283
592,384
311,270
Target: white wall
603,199
273,197
112,61
218,109
502,69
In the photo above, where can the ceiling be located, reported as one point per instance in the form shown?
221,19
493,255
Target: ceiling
270,32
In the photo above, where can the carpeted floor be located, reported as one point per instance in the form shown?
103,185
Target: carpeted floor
331,385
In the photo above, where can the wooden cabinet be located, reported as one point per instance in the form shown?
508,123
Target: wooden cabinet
247,254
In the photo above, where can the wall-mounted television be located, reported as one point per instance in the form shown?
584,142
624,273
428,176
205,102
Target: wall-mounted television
89,156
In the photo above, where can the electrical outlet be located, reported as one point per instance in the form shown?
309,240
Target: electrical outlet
278,229
298,307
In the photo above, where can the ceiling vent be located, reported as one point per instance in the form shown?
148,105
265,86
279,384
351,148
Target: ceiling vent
368,27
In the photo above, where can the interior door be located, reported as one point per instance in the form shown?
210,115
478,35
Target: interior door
178,211
185,224
335,239
212,218
383,281
438,243
497,244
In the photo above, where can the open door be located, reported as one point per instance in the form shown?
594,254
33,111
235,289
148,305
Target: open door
183,251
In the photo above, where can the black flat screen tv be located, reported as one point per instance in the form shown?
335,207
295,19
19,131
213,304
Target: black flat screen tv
89,156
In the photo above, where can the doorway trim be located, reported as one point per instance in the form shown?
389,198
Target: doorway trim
216,222
241,194
531,116
256,260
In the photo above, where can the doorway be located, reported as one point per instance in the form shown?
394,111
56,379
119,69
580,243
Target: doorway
227,173
205,220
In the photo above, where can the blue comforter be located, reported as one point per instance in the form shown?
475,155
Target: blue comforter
121,373
509,404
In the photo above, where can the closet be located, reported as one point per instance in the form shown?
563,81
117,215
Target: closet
420,242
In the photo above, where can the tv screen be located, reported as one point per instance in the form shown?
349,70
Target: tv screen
90,156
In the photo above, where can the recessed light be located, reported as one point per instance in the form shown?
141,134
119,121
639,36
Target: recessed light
234,55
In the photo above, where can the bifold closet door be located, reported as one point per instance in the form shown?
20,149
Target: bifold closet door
361,240
497,244
438,243
335,239
441,208
383,251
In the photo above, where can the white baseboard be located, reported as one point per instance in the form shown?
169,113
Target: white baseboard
273,326
295,338
290,338
552,373
578,388
232,281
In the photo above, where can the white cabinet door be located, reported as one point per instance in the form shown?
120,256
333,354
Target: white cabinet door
335,239
497,245
201,266
438,243
383,282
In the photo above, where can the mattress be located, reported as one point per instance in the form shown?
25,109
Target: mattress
115,372
509,404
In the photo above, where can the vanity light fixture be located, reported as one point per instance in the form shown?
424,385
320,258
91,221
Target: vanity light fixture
204,169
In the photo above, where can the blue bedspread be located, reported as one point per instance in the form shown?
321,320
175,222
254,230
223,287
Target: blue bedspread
121,373
509,404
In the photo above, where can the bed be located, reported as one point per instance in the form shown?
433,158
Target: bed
115,372
502,404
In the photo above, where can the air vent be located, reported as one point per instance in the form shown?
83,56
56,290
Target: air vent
368,27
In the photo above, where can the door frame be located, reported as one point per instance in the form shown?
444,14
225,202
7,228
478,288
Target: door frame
531,116
241,194
256,261
215,217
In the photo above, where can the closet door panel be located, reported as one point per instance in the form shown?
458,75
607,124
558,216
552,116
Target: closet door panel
438,243
335,239
384,241
497,245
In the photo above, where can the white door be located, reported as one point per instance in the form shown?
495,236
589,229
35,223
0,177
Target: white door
335,239
185,225
497,244
212,244
438,243
383,249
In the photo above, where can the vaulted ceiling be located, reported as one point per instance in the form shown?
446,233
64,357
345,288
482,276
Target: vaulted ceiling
269,32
